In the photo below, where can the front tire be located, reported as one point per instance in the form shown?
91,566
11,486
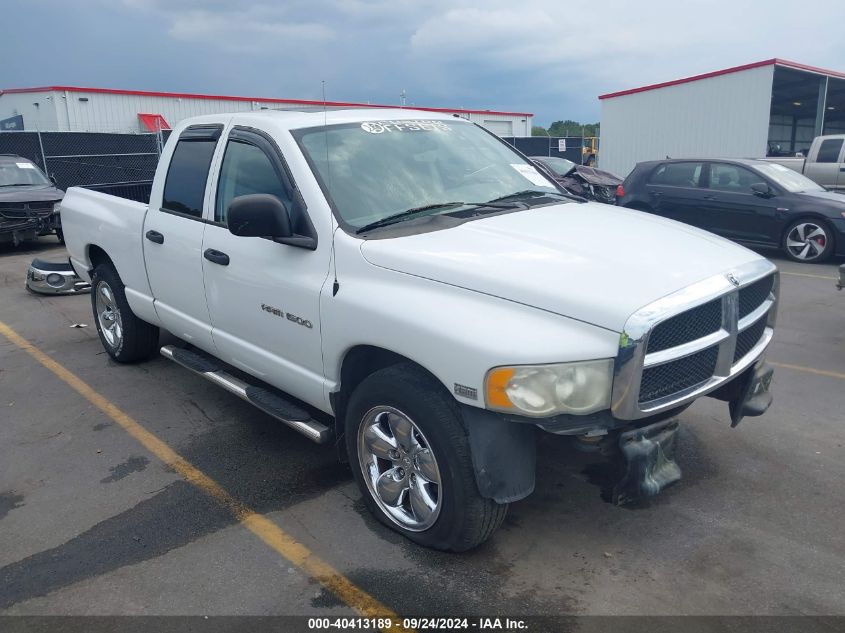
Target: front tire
410,456
125,337
808,240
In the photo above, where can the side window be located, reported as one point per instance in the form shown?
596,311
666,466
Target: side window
829,151
184,188
246,170
677,175
733,178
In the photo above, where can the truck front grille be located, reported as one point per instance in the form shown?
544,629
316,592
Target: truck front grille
687,326
677,375
692,351
752,296
748,338
24,210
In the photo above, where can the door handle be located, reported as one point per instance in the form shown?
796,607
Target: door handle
155,236
216,256
709,197
657,193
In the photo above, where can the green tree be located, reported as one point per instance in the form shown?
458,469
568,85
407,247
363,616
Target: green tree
538,130
573,128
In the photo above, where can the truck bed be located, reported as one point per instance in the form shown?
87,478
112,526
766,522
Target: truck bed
92,221
795,164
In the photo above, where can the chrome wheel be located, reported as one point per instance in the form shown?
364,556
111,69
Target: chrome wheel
400,468
108,315
806,241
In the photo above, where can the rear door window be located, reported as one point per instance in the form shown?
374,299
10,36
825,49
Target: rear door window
686,174
829,151
184,188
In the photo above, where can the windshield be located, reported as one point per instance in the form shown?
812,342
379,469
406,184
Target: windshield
20,173
378,169
790,180
560,166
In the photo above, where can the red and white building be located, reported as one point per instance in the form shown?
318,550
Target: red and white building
71,108
772,107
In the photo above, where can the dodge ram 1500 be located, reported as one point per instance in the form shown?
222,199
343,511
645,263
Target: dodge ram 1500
408,286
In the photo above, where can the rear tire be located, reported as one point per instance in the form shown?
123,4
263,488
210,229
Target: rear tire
125,337
808,240
410,456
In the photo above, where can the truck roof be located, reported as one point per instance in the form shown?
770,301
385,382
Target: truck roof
295,119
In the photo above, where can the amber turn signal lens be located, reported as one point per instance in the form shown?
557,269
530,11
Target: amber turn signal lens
497,381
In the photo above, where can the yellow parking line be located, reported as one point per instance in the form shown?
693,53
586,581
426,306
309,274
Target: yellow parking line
262,527
810,370
783,272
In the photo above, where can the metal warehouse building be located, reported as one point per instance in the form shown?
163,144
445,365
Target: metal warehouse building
774,107
69,108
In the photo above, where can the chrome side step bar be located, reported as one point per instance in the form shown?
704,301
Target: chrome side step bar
262,398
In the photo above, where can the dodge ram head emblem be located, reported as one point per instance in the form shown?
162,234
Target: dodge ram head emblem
732,279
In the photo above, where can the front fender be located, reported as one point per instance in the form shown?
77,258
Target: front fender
455,334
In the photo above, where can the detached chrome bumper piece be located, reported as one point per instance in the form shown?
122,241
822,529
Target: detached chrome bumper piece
694,341
54,278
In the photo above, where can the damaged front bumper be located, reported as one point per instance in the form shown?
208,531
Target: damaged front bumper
17,230
642,452
54,278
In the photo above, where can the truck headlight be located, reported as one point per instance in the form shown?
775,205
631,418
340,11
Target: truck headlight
57,207
544,390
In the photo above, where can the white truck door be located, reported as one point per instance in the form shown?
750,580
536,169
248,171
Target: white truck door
263,296
823,163
840,176
173,232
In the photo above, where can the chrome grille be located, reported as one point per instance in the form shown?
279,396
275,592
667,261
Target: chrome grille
690,342
687,326
664,380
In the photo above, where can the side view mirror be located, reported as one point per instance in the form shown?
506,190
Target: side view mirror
53,179
258,215
762,189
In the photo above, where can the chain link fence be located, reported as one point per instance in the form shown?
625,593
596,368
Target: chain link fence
570,148
98,160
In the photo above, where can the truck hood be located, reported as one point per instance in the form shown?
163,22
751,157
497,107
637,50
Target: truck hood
35,193
592,262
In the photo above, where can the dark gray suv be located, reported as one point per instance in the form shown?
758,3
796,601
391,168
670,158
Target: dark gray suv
29,201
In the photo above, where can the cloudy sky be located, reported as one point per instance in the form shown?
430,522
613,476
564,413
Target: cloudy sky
549,57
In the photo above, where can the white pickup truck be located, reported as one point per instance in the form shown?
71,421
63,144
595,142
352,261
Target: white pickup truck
409,287
824,163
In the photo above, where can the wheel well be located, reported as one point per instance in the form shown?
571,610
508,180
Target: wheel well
358,363
97,256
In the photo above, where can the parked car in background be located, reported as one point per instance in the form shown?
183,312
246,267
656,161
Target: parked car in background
29,201
755,202
587,182
824,163
407,286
